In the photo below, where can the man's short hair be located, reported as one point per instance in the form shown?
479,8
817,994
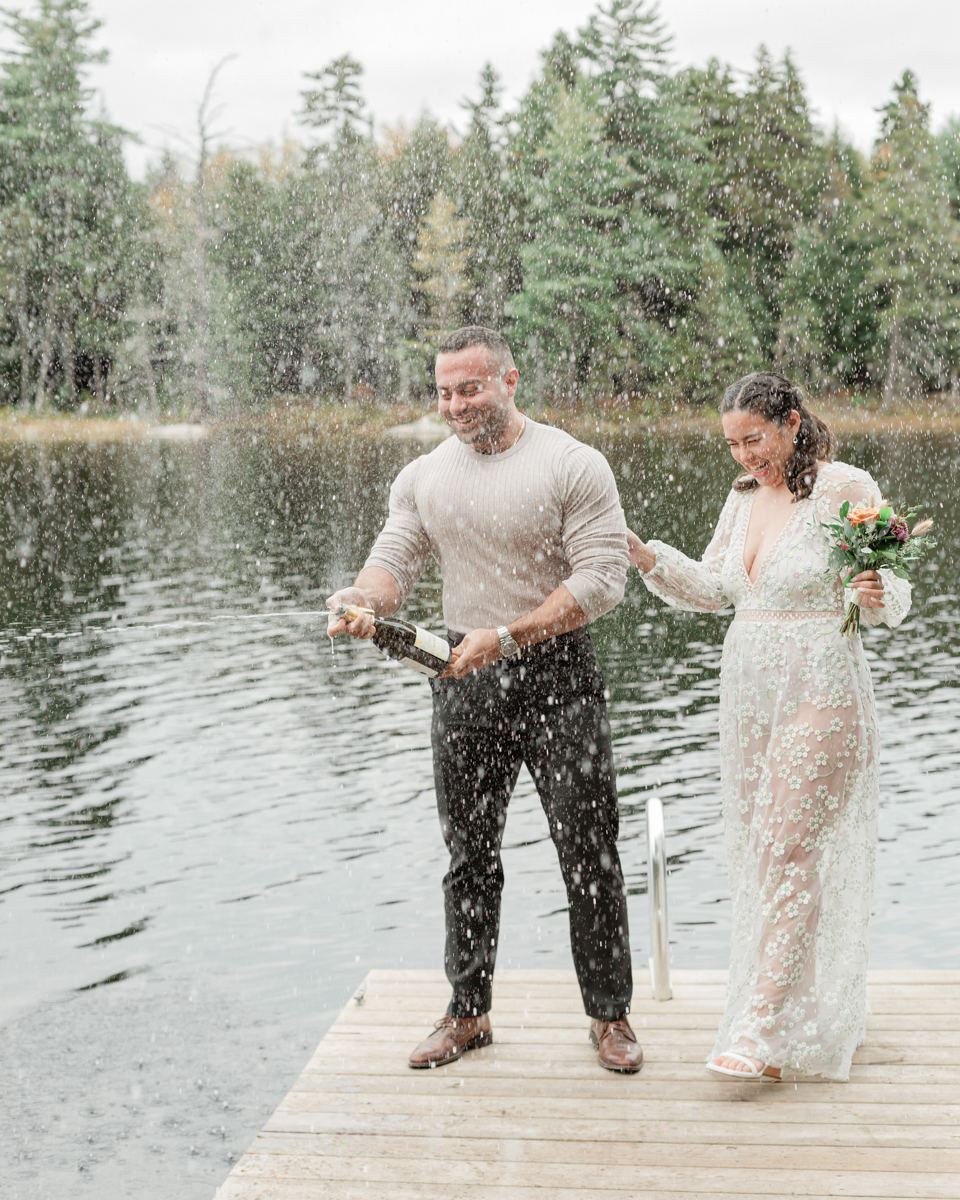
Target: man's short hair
479,335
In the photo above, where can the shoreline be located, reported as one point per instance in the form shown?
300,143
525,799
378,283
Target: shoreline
841,418
406,421
64,427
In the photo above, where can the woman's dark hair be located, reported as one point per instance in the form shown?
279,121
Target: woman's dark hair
773,397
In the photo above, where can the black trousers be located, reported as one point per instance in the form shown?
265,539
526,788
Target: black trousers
546,709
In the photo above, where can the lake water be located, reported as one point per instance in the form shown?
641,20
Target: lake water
212,827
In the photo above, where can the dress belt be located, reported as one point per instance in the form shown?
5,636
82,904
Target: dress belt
777,614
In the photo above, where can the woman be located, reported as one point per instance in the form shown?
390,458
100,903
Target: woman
798,736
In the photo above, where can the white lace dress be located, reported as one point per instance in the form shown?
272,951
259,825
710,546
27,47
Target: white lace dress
799,777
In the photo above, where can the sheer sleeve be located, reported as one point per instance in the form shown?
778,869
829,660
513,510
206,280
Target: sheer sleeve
837,482
690,585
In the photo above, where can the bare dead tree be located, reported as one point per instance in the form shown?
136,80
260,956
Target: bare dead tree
206,137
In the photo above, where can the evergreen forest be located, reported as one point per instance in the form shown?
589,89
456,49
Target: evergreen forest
641,233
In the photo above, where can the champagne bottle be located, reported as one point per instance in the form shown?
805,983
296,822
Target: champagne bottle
408,643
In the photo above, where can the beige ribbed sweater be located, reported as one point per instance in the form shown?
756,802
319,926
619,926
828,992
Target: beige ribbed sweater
507,529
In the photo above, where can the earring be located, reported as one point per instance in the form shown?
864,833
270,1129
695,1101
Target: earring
794,439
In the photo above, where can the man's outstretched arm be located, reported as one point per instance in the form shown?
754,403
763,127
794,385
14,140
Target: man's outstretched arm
398,557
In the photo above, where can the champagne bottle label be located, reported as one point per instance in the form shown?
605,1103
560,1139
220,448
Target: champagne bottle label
432,644
430,672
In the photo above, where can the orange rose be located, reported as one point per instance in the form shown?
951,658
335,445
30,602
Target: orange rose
861,515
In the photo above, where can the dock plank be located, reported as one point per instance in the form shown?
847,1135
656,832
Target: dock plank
733,1136
754,1157
299,1110
558,1177
533,1116
286,1189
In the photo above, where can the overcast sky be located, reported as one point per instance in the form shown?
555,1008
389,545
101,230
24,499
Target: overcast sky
426,54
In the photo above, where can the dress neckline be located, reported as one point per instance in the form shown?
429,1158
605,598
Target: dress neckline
753,584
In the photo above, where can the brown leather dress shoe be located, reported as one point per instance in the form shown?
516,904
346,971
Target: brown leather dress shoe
617,1047
451,1038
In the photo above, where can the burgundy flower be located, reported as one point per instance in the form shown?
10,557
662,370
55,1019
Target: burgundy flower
898,529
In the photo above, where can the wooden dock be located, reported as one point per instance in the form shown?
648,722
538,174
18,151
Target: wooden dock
534,1116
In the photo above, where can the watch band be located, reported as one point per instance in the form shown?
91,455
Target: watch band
508,647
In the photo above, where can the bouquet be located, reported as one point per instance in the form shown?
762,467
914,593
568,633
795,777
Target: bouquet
868,537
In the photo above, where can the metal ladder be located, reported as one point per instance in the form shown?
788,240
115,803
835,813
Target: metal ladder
660,987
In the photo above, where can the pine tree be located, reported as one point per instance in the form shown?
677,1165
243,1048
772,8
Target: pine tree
441,268
623,48
20,236
915,251
266,254
416,165
358,286
338,102
828,330
529,127
361,282
191,357
120,269
68,208
948,143
316,288
567,314
488,200
770,173
687,326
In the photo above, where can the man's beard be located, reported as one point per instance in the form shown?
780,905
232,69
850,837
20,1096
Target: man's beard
489,424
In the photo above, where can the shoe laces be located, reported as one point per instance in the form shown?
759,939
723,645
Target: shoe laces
622,1026
449,1022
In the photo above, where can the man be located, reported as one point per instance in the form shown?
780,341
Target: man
526,525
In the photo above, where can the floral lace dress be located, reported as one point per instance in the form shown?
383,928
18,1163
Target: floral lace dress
799,777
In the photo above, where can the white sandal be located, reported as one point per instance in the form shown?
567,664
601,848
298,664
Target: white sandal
752,1074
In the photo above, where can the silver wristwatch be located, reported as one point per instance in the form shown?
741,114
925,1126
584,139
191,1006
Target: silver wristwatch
508,647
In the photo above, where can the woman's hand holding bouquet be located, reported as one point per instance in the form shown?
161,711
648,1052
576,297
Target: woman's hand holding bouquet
867,537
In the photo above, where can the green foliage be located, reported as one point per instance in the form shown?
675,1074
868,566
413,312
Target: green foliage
441,268
359,294
491,205
416,167
313,275
567,314
662,304
70,220
914,252
769,173
828,329
338,101
266,255
623,50
948,144
634,230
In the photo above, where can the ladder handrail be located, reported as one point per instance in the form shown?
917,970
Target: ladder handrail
657,899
